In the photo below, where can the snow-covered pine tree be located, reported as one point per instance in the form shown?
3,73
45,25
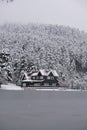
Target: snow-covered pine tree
5,66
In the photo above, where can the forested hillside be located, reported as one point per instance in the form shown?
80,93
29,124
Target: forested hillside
35,46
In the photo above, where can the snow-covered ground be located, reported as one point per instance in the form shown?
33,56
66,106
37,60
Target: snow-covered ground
10,86
59,89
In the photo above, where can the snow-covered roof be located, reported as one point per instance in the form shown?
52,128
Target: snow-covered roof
35,74
43,72
26,75
30,80
53,72
27,80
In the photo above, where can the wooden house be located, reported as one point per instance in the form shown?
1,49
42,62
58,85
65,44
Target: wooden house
41,79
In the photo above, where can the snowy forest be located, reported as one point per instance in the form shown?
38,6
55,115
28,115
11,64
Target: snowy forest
37,46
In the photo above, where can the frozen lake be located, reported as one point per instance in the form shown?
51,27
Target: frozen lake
43,110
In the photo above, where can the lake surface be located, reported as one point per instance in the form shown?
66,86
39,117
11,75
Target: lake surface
35,110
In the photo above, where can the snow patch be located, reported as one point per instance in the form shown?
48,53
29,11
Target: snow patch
59,89
11,87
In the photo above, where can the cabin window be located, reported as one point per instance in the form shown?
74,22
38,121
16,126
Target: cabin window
48,77
33,77
37,77
51,77
46,84
41,77
37,84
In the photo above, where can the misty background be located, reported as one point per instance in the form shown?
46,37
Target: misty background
62,12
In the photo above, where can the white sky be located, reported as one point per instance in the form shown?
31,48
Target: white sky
62,12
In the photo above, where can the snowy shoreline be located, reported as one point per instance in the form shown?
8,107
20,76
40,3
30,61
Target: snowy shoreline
14,87
10,86
58,90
